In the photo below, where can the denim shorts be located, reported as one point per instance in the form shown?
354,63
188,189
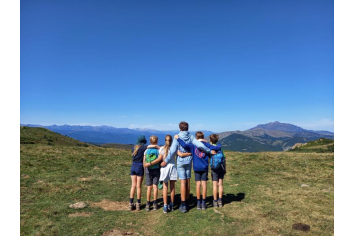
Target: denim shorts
137,169
184,171
201,175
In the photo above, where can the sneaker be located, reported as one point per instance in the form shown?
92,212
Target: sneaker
199,206
215,204
147,207
131,206
165,209
155,207
170,207
138,206
183,209
220,204
203,206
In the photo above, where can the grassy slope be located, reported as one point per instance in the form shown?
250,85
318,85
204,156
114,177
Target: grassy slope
270,183
318,146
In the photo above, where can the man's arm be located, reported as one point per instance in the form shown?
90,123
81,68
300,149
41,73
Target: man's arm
172,151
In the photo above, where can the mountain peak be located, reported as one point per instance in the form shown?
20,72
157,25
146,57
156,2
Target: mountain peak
279,126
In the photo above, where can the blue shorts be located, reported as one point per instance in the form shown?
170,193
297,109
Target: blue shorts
217,174
201,175
137,169
184,171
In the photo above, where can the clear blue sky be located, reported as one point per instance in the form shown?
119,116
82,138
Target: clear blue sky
219,65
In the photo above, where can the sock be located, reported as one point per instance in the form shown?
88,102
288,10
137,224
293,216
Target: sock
199,202
131,200
220,199
183,203
139,201
165,205
203,202
154,201
148,203
215,200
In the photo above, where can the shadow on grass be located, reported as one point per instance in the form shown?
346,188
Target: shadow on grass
227,199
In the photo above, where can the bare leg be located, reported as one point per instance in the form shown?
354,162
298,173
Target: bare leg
133,185
173,190
165,193
138,186
215,190
204,189
183,189
155,192
188,189
198,183
149,188
221,188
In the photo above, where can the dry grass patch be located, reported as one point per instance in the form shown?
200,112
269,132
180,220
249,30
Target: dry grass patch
117,232
107,205
80,214
84,179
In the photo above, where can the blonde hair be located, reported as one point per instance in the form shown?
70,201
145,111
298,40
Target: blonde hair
136,150
153,139
167,146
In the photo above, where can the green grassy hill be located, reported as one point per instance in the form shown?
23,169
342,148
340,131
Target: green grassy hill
37,135
118,146
319,146
264,193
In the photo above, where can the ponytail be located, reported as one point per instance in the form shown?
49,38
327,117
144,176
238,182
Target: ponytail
136,150
167,145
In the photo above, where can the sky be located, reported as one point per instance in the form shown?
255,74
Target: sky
219,65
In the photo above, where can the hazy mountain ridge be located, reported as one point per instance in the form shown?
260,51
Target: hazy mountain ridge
274,136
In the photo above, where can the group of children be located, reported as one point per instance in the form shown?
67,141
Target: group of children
159,165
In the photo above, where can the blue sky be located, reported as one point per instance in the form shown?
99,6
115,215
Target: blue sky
219,65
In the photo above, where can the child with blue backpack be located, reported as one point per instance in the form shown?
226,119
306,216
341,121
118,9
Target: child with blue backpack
200,166
218,171
152,171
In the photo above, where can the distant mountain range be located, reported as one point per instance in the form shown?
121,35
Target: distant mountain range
274,136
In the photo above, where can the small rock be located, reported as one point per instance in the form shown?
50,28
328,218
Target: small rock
301,226
25,176
304,185
78,205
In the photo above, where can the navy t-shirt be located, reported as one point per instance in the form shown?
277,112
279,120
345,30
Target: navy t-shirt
138,158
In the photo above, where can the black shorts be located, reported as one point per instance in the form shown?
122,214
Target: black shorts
201,175
217,174
152,176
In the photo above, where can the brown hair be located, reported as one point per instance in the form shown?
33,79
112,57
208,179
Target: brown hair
153,139
136,150
183,126
168,144
199,135
214,138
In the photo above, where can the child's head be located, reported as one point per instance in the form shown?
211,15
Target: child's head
154,140
183,126
214,138
168,140
199,135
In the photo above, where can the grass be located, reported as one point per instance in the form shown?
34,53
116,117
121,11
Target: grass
263,194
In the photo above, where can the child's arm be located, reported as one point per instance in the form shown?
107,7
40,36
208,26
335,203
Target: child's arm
212,147
184,154
153,146
200,145
158,160
183,144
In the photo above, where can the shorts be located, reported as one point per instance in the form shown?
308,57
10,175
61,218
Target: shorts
201,175
169,172
217,174
184,171
152,176
137,169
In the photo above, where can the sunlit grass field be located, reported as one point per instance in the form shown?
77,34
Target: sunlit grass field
264,194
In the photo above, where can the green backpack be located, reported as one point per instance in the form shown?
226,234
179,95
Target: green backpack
151,155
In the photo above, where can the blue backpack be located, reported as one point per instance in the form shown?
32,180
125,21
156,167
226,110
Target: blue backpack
151,155
217,160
